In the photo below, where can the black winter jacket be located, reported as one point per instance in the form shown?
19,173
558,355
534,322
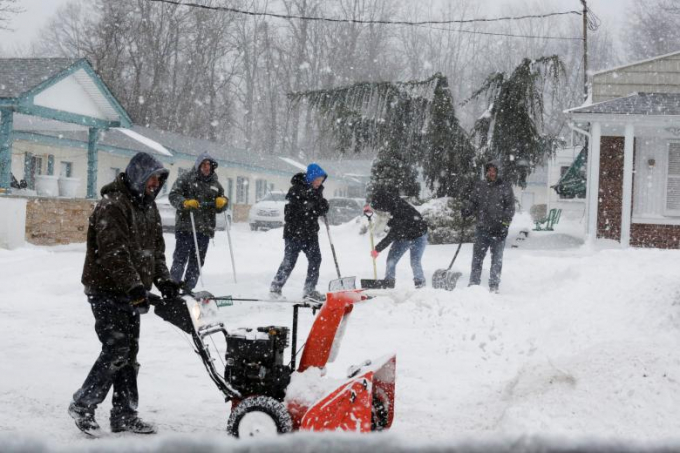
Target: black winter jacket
305,205
406,222
493,203
125,246
193,185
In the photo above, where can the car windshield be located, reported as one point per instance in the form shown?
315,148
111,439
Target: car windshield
274,196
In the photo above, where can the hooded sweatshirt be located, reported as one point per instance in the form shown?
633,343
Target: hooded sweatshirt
493,203
125,246
406,222
194,185
305,205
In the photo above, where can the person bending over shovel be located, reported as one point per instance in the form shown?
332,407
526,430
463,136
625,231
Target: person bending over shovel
301,230
408,231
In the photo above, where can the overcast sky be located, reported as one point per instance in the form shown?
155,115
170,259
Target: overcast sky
28,24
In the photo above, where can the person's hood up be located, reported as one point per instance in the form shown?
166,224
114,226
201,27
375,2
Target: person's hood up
314,171
492,163
199,161
141,167
384,199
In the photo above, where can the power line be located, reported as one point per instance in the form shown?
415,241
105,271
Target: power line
361,21
473,32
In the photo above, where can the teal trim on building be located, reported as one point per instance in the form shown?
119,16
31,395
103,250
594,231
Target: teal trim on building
29,175
6,126
65,117
92,162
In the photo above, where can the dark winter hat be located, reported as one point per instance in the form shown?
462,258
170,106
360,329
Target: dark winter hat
490,164
315,171
383,198
141,167
203,157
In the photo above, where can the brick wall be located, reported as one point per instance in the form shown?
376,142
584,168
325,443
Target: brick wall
611,188
53,221
655,236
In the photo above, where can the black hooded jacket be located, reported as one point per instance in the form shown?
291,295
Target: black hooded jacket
305,205
406,222
125,246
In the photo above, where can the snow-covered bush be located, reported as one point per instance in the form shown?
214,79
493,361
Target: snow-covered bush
445,222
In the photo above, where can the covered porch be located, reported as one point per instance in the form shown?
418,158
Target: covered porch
633,180
53,94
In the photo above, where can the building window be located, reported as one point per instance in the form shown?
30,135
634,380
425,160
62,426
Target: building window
230,189
672,206
37,165
241,190
260,189
50,164
66,170
114,172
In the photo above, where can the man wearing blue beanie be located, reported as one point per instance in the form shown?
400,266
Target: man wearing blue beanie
301,230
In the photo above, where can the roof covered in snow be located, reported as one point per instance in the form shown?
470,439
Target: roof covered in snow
19,75
664,104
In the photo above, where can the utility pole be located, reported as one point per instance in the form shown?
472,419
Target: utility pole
585,49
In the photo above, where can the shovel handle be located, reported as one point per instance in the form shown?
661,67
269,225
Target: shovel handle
370,233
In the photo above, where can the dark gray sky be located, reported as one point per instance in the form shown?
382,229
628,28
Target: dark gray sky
27,25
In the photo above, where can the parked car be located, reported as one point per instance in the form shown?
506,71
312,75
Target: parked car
168,211
268,212
341,210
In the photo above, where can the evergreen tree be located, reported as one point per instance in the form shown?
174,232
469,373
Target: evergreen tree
409,125
510,131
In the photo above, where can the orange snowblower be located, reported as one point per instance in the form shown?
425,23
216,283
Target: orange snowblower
271,397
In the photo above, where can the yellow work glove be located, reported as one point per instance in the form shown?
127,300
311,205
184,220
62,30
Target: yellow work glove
221,202
191,204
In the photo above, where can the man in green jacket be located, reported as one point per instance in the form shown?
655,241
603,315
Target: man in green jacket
196,193
125,256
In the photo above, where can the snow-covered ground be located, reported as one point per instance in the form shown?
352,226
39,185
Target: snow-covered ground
581,342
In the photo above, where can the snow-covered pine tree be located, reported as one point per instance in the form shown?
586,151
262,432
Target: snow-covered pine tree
408,124
510,130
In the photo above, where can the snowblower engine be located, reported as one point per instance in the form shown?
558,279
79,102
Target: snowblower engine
254,361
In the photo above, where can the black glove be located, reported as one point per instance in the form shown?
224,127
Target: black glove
465,212
139,299
169,289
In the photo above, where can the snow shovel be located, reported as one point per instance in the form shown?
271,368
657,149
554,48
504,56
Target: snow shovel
231,249
375,283
198,255
341,283
446,278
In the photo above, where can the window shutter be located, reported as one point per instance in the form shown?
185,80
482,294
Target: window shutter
673,181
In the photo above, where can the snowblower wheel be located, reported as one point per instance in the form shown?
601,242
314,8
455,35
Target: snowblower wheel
259,416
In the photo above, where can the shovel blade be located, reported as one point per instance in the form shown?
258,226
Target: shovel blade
377,284
445,279
342,284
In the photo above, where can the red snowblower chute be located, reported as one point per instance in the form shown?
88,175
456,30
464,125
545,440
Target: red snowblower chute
269,396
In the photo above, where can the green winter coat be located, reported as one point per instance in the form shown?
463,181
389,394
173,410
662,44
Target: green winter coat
193,185
125,246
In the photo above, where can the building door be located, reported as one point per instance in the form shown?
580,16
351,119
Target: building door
527,201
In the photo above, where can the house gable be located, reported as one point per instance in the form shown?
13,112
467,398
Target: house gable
658,75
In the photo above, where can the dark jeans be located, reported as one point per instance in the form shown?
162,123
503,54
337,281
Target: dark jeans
399,248
185,251
483,242
118,330
310,247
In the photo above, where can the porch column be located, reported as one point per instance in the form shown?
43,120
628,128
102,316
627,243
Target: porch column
92,163
594,180
627,206
6,126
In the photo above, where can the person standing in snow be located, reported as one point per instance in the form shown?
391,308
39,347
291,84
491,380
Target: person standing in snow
408,231
196,192
493,204
301,230
125,256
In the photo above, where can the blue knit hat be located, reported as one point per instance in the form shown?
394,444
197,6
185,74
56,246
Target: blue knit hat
313,172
